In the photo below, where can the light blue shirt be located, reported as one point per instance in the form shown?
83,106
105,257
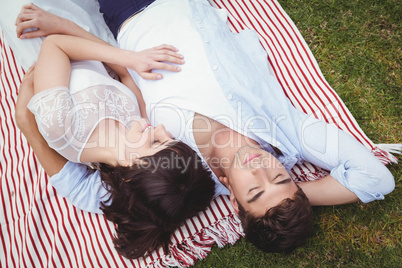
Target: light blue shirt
241,69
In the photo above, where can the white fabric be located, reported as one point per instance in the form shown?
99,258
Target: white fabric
196,72
67,117
66,120
83,12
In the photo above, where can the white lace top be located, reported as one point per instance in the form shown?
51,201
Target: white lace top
66,120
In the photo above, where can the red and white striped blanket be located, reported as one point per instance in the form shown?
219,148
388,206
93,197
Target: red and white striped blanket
41,229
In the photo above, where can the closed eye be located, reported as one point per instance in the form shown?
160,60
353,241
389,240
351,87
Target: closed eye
255,197
284,181
249,191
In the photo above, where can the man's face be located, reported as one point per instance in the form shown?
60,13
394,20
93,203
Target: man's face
258,181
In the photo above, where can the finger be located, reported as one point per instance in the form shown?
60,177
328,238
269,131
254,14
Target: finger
26,9
170,53
34,7
33,34
24,17
166,66
25,25
168,58
169,47
31,69
151,76
29,6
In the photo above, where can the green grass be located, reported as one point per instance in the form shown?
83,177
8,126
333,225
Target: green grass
358,47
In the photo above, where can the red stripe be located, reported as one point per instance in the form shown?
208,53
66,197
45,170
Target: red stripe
213,213
33,245
29,215
37,172
206,216
201,222
5,217
188,228
81,222
14,167
9,192
217,205
90,240
3,171
114,253
97,239
225,203
194,225
73,227
63,227
56,231
50,240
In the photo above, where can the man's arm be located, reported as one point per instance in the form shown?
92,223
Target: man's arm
327,192
355,173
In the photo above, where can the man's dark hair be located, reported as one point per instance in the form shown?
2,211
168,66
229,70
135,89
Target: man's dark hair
150,200
283,227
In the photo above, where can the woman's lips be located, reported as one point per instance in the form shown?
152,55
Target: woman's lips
250,157
147,125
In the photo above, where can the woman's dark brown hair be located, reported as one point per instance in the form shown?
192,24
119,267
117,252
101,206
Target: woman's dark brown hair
149,201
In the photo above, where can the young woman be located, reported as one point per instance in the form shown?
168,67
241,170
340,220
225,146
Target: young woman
96,119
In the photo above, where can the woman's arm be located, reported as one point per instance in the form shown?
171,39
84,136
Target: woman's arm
160,57
26,123
53,66
74,181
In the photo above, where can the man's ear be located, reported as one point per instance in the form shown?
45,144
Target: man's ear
224,180
234,203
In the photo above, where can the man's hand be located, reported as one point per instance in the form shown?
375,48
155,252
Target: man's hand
160,57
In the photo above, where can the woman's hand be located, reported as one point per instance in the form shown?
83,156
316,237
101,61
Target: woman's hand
160,57
46,23
24,118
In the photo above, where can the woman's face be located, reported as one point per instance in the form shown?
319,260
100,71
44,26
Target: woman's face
143,139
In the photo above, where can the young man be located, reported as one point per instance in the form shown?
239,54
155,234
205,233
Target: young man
226,105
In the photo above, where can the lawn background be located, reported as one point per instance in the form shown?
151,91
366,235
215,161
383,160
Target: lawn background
358,47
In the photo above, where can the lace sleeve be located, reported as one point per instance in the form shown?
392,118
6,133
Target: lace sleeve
67,121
